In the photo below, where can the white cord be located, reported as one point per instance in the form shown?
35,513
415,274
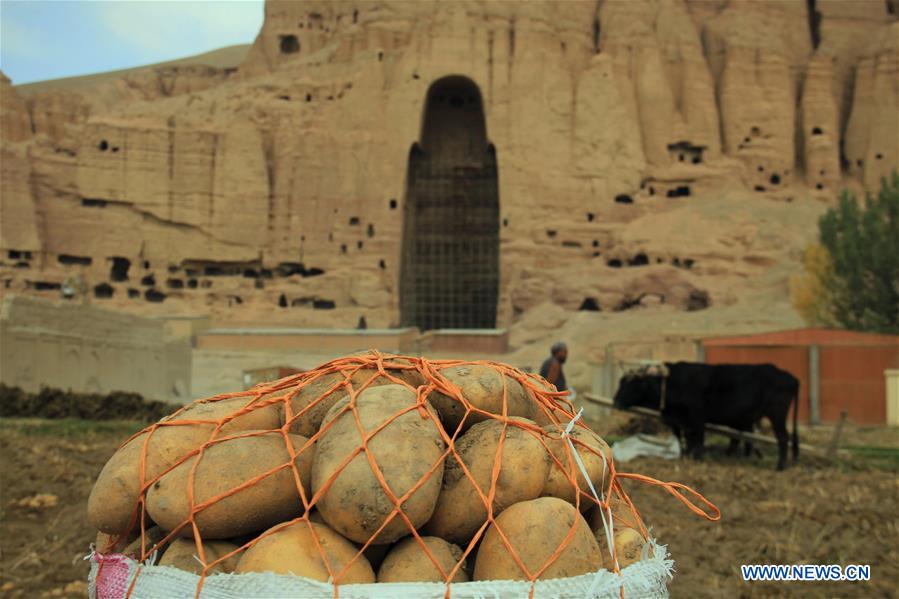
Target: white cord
603,512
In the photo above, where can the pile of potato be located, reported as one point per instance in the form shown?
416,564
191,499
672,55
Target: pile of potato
304,476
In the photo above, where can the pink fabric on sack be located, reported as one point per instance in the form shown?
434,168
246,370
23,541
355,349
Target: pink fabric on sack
113,575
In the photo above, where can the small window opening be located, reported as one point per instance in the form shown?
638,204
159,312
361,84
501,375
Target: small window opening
119,270
152,295
322,304
289,44
590,305
639,260
69,259
104,291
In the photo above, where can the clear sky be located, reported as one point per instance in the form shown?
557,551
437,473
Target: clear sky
48,39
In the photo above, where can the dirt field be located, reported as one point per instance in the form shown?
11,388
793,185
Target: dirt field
813,513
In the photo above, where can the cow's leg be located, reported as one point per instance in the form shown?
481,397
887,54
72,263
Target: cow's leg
747,448
747,445
780,431
680,440
695,437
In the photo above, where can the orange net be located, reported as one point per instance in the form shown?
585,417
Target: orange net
322,473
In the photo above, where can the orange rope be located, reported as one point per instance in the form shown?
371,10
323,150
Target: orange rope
389,369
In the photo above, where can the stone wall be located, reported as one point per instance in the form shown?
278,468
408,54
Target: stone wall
277,191
83,348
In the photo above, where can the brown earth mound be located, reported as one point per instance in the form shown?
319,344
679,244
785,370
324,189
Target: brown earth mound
55,403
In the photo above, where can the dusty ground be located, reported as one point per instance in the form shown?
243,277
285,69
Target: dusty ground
812,513
50,464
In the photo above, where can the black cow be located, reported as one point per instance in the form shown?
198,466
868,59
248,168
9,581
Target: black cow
736,395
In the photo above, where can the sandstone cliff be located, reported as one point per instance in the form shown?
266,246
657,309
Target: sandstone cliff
640,148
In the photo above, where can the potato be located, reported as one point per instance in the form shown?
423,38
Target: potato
627,539
524,466
628,548
257,417
112,502
375,554
558,485
106,543
408,562
622,516
183,554
225,466
308,423
292,550
154,535
482,386
355,504
113,499
535,530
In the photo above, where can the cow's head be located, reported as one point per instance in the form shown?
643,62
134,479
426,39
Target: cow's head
641,388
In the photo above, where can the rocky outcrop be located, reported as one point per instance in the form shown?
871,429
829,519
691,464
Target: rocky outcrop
820,126
278,191
871,142
16,122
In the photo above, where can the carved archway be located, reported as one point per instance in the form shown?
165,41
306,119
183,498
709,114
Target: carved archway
449,275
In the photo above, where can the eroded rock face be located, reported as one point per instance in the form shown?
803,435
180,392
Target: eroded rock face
271,185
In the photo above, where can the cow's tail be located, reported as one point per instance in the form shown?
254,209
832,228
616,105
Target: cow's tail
795,419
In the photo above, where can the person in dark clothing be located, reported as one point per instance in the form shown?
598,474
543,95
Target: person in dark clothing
551,369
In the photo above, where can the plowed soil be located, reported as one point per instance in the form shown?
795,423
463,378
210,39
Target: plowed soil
815,512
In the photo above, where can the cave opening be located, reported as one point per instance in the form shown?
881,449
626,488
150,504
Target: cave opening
290,44
449,273
119,269
590,305
104,291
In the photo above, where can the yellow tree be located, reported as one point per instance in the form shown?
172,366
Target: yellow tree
808,289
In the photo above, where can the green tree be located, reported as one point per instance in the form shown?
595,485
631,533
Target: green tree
859,284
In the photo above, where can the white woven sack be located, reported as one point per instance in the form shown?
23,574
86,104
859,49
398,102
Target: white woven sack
112,576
